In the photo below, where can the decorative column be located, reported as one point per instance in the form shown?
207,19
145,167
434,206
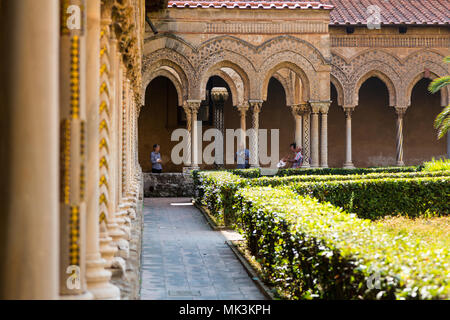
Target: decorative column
115,111
194,105
400,111
97,277
255,105
315,109
188,156
306,135
348,129
243,108
191,108
110,232
297,113
29,158
219,97
324,107
72,114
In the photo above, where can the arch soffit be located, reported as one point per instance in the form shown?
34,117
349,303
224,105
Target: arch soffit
183,73
162,72
341,96
273,65
444,92
376,72
230,82
287,88
220,69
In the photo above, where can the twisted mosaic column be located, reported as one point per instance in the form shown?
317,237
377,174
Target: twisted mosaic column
254,139
306,135
400,115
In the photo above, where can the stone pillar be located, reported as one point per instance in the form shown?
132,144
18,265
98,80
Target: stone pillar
315,109
188,157
254,141
325,106
124,144
72,99
400,111
298,116
97,277
109,228
113,227
243,108
29,157
193,106
306,136
348,129
219,96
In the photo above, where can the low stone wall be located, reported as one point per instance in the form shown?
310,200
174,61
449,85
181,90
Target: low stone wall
168,185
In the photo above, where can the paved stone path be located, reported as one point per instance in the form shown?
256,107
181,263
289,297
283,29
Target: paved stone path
184,259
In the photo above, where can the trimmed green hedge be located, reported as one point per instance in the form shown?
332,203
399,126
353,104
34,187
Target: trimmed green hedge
247,173
215,190
343,171
315,250
256,173
279,181
375,198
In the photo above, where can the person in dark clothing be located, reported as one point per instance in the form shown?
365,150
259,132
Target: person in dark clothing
155,158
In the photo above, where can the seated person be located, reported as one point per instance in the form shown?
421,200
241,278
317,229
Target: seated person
297,160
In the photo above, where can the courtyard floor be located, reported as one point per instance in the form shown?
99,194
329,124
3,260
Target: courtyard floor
184,259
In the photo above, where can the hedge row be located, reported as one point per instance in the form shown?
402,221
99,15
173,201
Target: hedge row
343,171
214,191
279,181
375,198
256,173
315,250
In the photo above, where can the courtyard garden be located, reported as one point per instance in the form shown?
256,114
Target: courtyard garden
375,233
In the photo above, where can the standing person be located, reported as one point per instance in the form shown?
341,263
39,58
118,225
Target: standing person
155,158
242,158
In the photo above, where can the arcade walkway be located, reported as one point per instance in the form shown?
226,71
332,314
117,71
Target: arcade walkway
184,259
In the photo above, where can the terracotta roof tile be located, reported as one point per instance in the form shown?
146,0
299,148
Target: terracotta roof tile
353,12
250,4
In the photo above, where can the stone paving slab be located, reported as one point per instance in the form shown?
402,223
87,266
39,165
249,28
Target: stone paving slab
184,259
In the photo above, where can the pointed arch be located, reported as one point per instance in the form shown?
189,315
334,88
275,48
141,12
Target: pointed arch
389,83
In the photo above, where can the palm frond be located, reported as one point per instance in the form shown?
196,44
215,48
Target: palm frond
438,84
442,122
442,132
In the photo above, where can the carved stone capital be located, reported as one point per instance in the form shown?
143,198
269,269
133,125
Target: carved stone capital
107,8
256,105
243,107
296,110
192,105
320,106
348,111
219,95
400,111
126,31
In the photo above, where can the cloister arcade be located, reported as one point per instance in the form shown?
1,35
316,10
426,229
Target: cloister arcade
82,107
311,88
